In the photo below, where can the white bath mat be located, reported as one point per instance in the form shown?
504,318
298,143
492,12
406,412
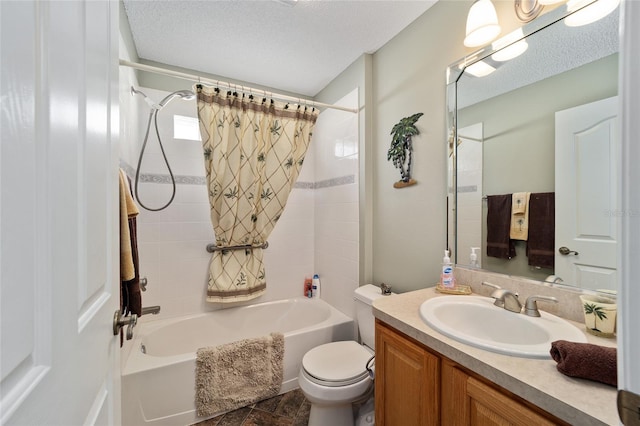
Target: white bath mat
237,374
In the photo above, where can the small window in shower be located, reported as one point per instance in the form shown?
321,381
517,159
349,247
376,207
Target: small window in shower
186,128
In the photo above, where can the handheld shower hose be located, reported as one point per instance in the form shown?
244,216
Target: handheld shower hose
153,115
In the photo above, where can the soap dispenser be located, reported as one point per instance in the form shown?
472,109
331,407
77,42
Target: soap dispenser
446,279
473,257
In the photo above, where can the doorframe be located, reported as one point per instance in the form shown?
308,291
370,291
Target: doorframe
629,247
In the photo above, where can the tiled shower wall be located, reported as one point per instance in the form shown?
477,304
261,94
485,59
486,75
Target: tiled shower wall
318,231
336,204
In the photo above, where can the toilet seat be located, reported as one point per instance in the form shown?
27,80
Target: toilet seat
336,364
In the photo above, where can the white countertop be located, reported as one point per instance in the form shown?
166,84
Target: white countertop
576,401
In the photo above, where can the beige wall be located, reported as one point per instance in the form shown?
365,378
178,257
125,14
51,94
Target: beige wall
403,231
409,224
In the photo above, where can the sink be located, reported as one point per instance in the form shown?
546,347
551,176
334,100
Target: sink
475,320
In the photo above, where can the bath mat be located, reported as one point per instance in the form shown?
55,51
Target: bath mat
237,374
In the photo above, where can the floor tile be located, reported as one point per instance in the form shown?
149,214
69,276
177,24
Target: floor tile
290,404
302,417
288,409
264,418
235,418
210,422
270,404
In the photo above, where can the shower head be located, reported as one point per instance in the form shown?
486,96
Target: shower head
149,102
184,94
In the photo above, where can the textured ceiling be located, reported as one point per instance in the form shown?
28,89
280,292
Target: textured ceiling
290,46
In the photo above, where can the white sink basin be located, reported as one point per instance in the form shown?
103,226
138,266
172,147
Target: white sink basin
474,320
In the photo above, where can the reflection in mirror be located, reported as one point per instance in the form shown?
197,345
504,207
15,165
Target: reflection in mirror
508,130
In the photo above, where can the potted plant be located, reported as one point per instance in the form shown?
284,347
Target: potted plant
401,147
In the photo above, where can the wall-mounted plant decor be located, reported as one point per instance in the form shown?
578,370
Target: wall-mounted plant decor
400,151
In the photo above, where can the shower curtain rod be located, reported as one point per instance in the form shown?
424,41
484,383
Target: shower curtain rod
200,79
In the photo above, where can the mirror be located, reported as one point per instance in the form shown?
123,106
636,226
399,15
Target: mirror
506,126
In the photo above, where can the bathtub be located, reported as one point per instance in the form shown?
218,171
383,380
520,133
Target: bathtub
158,377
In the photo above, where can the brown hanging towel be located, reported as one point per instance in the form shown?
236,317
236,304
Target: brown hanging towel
542,230
499,243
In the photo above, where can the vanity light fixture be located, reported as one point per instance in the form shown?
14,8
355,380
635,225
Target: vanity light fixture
510,46
591,13
482,24
527,10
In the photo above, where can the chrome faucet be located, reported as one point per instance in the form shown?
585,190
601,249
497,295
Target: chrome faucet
531,307
155,310
507,299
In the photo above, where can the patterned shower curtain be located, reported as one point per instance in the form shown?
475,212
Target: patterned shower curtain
253,152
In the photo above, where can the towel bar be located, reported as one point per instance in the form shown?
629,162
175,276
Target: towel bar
211,248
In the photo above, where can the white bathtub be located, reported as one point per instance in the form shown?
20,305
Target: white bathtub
158,385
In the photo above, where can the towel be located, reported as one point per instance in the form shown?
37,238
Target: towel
520,216
127,209
586,361
237,374
130,295
499,244
542,228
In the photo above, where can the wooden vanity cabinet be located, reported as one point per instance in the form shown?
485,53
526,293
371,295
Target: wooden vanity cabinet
407,381
416,386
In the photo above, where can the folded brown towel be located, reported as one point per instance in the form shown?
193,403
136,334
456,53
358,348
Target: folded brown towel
586,361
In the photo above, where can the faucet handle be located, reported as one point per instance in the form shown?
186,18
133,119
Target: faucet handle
507,299
499,300
488,284
531,307
385,289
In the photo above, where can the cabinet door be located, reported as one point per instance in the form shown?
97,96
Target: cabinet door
489,407
407,381
455,402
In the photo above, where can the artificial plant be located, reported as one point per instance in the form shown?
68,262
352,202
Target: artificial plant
401,147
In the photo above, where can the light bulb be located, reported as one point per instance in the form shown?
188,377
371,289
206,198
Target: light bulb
480,69
482,24
591,13
508,47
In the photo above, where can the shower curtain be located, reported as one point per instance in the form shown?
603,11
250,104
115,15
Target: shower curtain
253,152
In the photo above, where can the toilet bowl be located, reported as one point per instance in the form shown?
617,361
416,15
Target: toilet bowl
333,376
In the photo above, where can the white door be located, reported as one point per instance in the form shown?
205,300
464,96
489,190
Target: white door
586,181
58,213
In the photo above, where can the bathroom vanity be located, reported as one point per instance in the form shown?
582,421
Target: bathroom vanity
426,378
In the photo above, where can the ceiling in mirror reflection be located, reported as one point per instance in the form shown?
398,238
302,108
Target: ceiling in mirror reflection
555,50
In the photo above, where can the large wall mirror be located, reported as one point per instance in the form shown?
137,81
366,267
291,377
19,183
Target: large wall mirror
542,125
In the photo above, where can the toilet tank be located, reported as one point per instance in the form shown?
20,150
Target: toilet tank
364,297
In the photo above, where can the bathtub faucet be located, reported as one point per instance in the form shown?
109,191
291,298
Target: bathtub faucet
155,310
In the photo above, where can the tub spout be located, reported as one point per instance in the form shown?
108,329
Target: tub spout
155,310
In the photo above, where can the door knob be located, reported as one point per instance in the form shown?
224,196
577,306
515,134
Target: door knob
565,251
120,321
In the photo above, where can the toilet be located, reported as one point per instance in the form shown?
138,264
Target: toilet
333,376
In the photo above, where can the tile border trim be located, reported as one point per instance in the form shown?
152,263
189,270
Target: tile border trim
200,180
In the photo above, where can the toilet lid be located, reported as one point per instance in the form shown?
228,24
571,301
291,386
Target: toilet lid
337,363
